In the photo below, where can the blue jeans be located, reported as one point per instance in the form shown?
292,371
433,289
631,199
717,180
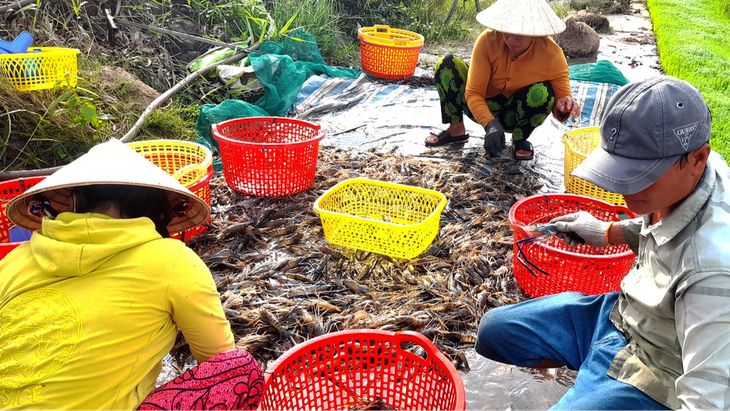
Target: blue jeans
571,329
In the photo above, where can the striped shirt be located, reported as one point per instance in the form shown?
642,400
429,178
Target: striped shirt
674,308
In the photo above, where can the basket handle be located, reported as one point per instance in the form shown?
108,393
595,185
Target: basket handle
184,174
419,339
381,31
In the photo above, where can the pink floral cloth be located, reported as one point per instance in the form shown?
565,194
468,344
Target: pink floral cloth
231,380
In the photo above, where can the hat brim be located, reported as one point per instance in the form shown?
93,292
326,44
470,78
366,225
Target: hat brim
621,175
110,163
534,18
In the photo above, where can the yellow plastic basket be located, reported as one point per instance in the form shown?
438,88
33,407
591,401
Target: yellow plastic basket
389,53
580,143
191,164
386,218
41,68
175,157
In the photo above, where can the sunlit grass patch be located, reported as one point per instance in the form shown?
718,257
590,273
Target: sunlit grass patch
692,39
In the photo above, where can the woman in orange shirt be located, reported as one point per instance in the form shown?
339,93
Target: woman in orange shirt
517,77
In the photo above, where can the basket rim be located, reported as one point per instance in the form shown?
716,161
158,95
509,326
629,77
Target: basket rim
321,211
17,182
44,50
385,46
415,37
206,162
613,207
568,141
202,182
397,336
220,137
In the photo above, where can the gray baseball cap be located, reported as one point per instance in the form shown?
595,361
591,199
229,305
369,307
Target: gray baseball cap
648,125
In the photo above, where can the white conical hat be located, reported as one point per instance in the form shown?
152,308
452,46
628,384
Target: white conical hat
523,17
108,163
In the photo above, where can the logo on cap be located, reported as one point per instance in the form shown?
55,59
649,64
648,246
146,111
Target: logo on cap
685,133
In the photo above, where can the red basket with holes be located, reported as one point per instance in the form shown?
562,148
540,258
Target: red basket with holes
363,369
268,156
191,164
548,266
9,190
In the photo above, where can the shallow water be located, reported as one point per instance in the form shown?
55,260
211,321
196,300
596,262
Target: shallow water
495,386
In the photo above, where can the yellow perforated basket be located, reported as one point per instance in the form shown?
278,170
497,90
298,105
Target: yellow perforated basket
41,68
580,143
386,218
389,53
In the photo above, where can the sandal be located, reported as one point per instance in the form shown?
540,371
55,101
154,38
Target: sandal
444,137
522,145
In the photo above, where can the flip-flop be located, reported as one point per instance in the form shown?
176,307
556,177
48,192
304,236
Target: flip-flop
522,145
444,137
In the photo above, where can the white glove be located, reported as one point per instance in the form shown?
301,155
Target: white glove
585,226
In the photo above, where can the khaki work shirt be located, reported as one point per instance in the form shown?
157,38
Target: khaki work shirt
674,307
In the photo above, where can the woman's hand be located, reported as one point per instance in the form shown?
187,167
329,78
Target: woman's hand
567,106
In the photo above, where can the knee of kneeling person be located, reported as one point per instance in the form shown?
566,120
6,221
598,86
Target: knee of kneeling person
491,332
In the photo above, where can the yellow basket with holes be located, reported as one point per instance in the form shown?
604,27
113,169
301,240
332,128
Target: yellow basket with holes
385,218
579,144
191,164
40,68
389,53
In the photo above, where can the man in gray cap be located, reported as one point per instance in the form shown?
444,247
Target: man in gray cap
663,341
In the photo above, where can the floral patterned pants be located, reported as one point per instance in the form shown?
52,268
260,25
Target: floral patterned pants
231,380
519,114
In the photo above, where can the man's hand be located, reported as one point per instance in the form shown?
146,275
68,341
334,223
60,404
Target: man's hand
585,226
494,138
567,106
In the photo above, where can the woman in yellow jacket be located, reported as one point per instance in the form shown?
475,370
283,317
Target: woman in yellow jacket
92,303
518,76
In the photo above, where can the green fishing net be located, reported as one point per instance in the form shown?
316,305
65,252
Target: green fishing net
282,68
602,71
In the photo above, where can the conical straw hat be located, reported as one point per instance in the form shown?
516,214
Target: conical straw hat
108,163
523,17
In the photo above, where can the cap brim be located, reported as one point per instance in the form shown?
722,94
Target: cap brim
621,175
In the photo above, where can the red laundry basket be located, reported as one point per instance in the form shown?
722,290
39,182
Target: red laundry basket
549,266
355,369
268,156
9,190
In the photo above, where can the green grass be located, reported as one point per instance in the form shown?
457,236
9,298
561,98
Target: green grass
320,19
692,39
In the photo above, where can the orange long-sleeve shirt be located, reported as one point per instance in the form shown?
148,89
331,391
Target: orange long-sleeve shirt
494,70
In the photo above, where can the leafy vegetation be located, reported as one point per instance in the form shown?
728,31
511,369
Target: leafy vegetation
692,43
52,127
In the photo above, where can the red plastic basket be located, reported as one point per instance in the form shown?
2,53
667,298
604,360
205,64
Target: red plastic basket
201,188
350,370
9,190
549,266
190,163
268,156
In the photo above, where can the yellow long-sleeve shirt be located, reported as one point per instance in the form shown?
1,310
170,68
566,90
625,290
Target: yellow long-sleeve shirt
494,70
91,305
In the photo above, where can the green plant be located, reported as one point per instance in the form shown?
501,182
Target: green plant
319,18
78,104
